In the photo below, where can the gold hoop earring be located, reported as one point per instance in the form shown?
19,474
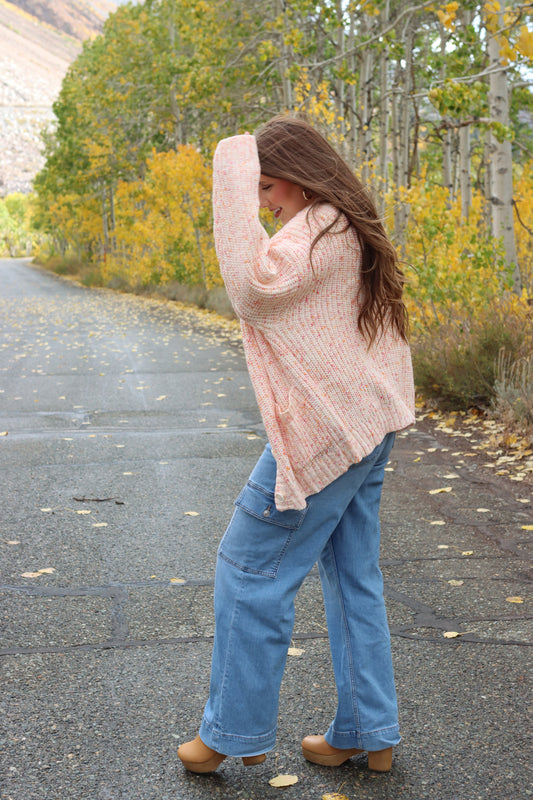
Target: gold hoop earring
305,195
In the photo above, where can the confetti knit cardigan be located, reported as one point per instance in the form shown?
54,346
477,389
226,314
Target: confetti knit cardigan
326,400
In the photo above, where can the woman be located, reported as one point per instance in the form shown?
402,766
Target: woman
325,336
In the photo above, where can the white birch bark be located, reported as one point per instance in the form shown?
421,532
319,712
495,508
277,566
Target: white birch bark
365,94
286,86
465,175
351,93
465,178
501,158
340,85
384,112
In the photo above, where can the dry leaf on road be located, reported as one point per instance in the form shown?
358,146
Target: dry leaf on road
295,651
45,571
283,780
334,796
455,634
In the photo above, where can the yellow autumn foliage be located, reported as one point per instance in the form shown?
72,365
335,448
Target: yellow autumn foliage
163,223
453,270
523,202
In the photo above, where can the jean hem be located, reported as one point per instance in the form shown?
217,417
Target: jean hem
369,741
230,744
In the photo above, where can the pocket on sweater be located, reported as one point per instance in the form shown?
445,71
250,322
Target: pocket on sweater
258,535
304,433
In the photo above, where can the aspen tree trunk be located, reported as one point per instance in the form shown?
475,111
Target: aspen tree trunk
285,61
351,99
465,179
447,140
365,94
487,189
177,116
402,119
501,158
174,107
384,105
112,224
105,226
340,87
397,169
465,176
406,109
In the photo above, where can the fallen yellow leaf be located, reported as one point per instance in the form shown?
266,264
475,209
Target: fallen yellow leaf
455,634
283,780
192,513
527,527
99,524
46,571
439,491
175,580
455,583
295,651
334,796
515,599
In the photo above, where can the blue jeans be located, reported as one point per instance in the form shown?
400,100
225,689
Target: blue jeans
263,559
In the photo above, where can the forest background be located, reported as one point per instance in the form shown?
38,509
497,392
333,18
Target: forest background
431,104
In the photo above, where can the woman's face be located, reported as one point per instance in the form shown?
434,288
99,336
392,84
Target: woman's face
283,198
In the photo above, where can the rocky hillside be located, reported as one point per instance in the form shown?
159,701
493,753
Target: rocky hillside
38,41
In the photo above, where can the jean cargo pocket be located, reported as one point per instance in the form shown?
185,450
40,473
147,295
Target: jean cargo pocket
258,534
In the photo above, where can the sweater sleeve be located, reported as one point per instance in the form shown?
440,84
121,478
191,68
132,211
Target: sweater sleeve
261,275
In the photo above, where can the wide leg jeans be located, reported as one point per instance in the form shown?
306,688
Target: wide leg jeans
262,561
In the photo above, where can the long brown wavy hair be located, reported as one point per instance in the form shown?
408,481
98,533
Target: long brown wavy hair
291,149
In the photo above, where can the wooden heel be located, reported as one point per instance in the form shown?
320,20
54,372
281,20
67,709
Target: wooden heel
198,757
250,761
380,760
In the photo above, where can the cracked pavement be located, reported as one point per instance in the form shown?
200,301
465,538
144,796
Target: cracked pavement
130,426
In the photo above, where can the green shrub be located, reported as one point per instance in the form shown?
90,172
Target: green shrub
456,363
513,390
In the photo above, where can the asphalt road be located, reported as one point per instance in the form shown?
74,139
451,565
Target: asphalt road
128,427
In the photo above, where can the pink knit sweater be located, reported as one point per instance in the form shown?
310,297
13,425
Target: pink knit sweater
326,399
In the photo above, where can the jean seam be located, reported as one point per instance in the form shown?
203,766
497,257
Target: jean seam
347,639
235,615
292,526
250,570
261,489
239,737
268,521
364,733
